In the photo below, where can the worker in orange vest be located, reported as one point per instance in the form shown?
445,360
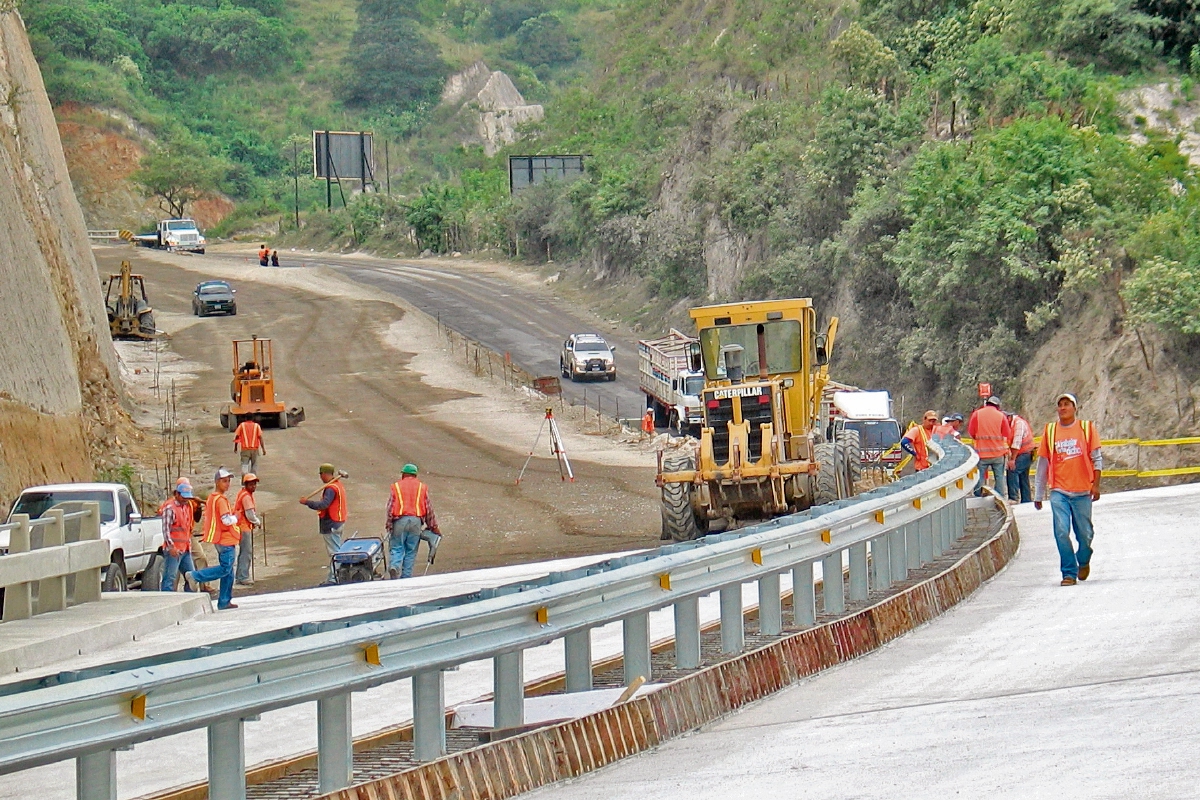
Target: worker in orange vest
409,511
648,421
263,255
1069,466
331,513
248,440
246,511
1020,460
917,440
219,527
989,428
177,523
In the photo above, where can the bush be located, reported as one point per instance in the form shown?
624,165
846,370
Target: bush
391,66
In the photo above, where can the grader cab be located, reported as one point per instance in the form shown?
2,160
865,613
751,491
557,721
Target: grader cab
760,454
252,389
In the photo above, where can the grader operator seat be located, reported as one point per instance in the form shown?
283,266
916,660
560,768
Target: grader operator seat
252,388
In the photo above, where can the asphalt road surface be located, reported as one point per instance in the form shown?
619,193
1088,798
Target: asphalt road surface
366,413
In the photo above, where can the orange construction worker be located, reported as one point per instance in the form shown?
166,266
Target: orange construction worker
916,440
409,510
1020,459
331,512
992,433
177,522
648,421
219,527
247,516
263,255
248,439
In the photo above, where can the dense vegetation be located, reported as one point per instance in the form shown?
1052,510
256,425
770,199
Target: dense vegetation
959,168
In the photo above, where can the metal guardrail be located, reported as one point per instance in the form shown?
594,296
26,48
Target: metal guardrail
104,236
885,533
65,565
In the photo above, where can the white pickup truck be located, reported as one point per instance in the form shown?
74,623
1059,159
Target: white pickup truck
134,544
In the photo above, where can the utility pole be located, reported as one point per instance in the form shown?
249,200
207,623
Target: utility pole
387,166
296,179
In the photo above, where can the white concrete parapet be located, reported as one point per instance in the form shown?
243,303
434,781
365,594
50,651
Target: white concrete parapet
66,573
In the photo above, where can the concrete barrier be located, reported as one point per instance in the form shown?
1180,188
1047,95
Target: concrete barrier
509,767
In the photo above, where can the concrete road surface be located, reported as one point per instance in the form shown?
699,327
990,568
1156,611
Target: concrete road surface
1028,689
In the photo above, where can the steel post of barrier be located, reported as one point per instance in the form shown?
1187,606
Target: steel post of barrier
733,630
335,743
429,715
18,600
227,760
925,539
52,592
770,609
578,651
912,546
687,633
635,634
859,589
881,564
834,589
804,601
899,542
88,581
508,690
96,776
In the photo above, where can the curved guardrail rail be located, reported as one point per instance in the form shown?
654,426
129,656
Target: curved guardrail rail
900,526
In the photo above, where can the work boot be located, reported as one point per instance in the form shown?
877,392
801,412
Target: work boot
393,573
226,608
189,582
1067,582
245,583
1084,571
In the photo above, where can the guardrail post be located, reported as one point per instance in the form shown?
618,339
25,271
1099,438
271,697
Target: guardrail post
88,581
804,601
912,545
770,609
227,760
858,573
508,690
881,564
925,538
961,527
52,592
834,590
96,776
733,630
949,526
687,633
898,545
18,598
335,743
429,715
635,633
937,521
578,647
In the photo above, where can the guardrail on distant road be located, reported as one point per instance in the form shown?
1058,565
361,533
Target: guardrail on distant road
104,236
65,564
883,533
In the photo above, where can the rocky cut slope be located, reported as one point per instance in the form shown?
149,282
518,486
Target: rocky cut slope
58,386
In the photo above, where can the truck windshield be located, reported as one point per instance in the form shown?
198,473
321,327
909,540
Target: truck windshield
181,225
590,346
875,434
783,347
693,386
37,503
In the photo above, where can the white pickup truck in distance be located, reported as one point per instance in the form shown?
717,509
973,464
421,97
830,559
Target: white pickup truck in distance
134,544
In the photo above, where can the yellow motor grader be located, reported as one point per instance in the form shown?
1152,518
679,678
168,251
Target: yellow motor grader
760,453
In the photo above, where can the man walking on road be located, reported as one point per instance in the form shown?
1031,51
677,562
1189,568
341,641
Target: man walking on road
1069,465
331,512
219,527
993,442
248,439
248,520
1021,459
916,440
408,510
177,523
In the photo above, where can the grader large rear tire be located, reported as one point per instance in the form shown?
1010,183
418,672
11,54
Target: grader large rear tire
852,450
827,477
679,521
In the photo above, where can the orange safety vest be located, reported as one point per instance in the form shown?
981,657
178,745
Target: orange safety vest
239,509
1048,438
1027,443
337,509
248,435
990,441
648,421
409,499
920,445
179,534
216,531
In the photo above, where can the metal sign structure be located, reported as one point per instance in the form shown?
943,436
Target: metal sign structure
343,156
525,171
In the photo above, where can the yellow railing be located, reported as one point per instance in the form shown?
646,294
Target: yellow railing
1138,473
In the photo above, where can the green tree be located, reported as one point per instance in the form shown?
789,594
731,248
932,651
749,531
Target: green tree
543,41
178,174
391,66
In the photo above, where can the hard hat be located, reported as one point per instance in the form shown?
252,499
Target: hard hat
993,400
222,473
248,477
327,469
409,469
1067,396
930,415
184,490
183,481
957,417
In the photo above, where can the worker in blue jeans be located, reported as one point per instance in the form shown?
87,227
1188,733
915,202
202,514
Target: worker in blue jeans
219,528
409,510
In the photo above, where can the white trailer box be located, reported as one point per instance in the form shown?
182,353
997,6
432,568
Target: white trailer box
671,387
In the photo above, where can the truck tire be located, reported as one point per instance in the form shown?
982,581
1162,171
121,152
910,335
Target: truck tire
152,576
562,369
679,521
851,447
283,420
115,579
826,490
231,423
146,323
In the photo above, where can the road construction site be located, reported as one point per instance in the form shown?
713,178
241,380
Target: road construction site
381,387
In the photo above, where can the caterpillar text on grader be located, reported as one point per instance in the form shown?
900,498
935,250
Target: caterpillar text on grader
760,453
253,388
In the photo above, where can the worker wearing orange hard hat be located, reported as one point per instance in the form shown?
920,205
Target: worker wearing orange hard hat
245,510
